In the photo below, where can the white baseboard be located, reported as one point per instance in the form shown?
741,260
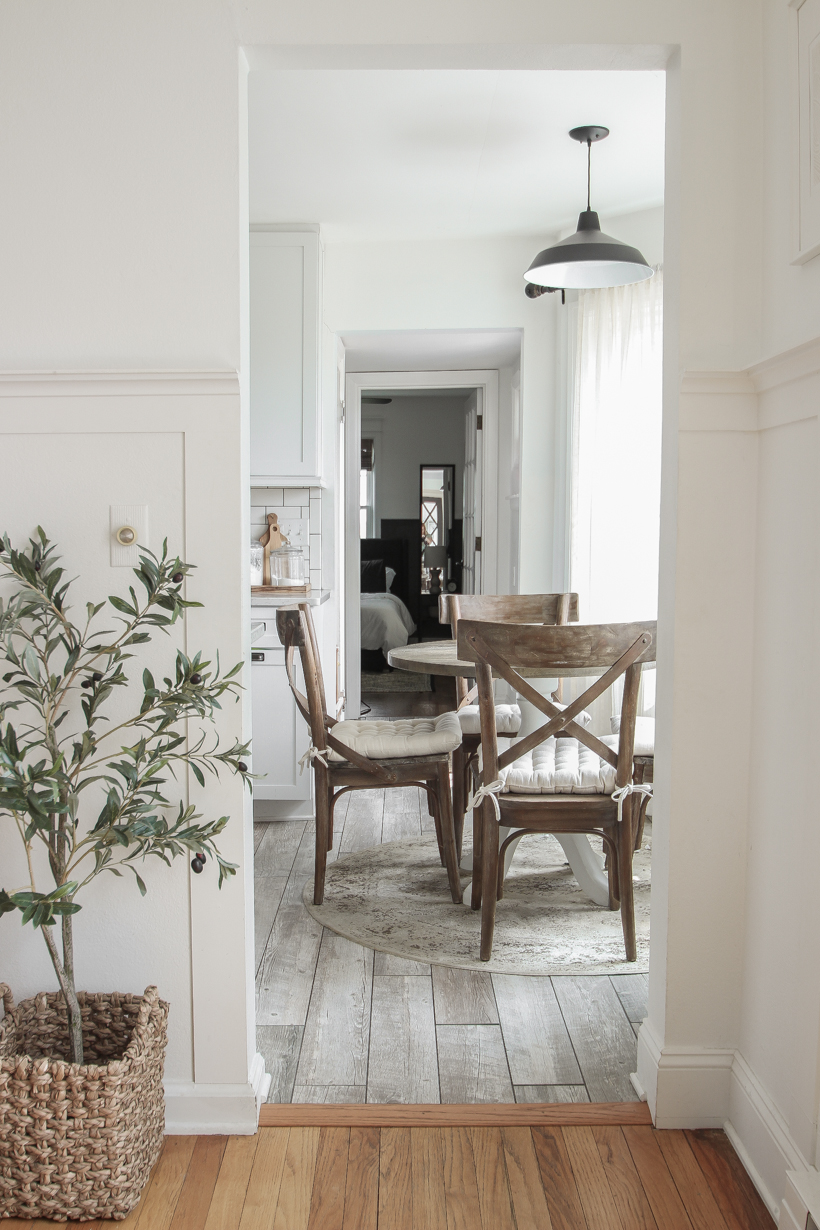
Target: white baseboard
193,1109
696,1087
686,1087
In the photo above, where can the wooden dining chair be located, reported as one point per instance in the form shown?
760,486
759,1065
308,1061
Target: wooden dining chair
363,755
543,784
503,608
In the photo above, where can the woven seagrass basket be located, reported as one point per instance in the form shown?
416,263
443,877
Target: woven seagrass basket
78,1141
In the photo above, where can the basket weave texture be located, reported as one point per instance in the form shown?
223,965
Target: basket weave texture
78,1141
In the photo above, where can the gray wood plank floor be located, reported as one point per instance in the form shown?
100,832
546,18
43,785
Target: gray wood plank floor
338,1023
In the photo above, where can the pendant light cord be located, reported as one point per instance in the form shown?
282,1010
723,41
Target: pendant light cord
589,171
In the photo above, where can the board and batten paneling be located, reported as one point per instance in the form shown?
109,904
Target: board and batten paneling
284,358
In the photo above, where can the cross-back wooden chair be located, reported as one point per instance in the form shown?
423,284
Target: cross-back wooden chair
502,608
359,755
575,784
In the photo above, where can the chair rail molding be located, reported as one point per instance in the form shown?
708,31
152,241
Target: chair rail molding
119,383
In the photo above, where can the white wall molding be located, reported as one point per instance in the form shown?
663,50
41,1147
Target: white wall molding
193,1109
780,390
697,1087
119,384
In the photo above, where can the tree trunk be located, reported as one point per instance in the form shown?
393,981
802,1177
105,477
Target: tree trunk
65,977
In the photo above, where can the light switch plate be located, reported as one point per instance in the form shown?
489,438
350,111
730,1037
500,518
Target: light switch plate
135,515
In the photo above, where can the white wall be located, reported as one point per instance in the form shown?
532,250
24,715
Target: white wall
122,249
412,432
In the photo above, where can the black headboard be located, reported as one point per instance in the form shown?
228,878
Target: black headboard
394,553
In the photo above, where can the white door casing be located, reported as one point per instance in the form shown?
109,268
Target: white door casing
486,382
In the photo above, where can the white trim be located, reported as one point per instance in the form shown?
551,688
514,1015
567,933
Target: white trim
193,1109
119,383
288,480
754,399
788,365
355,383
696,1087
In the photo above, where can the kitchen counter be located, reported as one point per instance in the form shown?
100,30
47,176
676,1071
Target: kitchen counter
315,598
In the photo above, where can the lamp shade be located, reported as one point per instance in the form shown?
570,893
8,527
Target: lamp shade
588,259
435,557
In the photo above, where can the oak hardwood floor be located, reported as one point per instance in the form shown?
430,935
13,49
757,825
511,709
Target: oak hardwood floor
448,1178
338,1023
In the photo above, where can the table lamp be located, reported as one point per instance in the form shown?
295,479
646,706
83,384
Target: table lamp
435,558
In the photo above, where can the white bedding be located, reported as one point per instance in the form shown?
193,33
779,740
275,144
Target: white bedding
386,622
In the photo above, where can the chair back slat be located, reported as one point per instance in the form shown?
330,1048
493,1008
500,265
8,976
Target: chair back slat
509,608
553,649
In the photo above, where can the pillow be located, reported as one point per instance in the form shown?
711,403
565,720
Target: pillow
374,580
390,574
644,734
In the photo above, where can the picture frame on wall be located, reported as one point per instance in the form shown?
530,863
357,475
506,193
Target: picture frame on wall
807,211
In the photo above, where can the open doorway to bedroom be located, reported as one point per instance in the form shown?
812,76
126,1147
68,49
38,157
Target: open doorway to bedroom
415,445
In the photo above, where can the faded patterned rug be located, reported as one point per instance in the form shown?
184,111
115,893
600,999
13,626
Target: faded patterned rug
394,898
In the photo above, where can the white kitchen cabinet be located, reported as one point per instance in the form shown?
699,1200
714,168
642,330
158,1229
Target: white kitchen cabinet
285,334
280,735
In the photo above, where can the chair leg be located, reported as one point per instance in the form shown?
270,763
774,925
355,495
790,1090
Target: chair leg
459,797
475,890
489,878
448,836
432,806
626,845
330,812
322,839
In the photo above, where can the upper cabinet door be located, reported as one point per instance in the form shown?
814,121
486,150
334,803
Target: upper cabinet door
285,306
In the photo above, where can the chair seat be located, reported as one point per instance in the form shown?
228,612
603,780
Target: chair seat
405,737
507,720
644,736
559,766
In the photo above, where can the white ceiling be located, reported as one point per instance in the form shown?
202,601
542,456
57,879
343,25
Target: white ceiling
423,350
422,154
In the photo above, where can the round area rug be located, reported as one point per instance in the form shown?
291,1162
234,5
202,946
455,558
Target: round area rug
394,898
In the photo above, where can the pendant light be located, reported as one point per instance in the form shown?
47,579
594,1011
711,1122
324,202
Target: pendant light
588,259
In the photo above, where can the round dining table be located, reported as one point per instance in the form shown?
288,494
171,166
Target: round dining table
441,658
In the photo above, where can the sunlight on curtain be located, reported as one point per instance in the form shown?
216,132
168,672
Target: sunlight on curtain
616,456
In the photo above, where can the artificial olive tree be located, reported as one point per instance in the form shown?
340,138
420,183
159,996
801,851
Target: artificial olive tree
90,793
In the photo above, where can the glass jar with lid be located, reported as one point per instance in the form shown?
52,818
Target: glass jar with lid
257,563
288,566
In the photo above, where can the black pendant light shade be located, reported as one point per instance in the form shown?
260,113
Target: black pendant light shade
589,259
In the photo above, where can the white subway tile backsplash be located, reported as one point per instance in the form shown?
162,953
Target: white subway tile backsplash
315,578
316,550
315,514
264,496
290,510
298,495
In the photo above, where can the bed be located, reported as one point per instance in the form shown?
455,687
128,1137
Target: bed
386,622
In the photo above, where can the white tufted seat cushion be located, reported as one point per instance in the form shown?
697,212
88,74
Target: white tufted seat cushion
644,736
507,720
559,766
406,737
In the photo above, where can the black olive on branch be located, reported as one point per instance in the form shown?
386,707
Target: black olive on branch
178,577
37,566
97,676
196,679
87,683
197,864
241,766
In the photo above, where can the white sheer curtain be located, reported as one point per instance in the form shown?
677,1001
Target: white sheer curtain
616,455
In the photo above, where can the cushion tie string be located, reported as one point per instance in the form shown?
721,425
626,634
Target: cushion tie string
487,792
620,794
313,753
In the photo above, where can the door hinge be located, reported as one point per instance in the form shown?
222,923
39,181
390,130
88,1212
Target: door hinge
478,544
479,422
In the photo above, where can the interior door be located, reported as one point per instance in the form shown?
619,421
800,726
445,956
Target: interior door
471,512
